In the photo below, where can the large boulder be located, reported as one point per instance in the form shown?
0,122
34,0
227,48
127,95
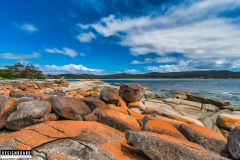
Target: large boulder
228,121
94,103
205,137
7,106
162,127
131,92
58,140
163,147
69,108
117,119
110,95
234,143
28,113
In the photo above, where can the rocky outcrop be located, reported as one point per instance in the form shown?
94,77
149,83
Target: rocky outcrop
71,140
94,103
161,127
110,95
117,119
131,92
185,119
164,128
28,113
69,108
228,121
163,147
20,94
7,106
234,143
204,137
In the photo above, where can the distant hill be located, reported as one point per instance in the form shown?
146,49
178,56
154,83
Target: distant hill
223,74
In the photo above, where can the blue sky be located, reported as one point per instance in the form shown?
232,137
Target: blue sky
113,36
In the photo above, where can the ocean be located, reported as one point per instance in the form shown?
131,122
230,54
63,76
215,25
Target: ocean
223,89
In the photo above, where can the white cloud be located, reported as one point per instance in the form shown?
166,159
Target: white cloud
71,68
155,60
132,71
65,51
86,37
14,56
28,27
181,66
193,29
197,64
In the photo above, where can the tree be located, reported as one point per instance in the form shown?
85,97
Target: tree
20,70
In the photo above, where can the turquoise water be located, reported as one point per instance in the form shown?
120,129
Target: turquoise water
224,89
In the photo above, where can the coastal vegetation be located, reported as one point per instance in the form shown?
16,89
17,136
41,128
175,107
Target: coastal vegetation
20,70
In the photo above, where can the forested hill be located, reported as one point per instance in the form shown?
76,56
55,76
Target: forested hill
193,74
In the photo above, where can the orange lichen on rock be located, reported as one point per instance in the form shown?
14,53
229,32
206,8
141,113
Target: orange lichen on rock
90,117
135,114
59,157
149,110
107,138
161,127
117,119
117,108
205,137
203,131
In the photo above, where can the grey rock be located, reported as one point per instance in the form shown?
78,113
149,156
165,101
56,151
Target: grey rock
28,113
234,142
163,147
110,95
131,92
69,108
94,103
20,94
70,148
7,106
204,137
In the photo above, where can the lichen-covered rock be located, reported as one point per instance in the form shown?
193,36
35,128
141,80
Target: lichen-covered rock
28,113
117,119
234,143
94,103
162,127
69,108
188,111
228,121
20,94
185,119
110,95
163,147
7,106
138,104
205,137
183,102
74,140
131,92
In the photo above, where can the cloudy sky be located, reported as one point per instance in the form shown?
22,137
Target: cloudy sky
113,36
